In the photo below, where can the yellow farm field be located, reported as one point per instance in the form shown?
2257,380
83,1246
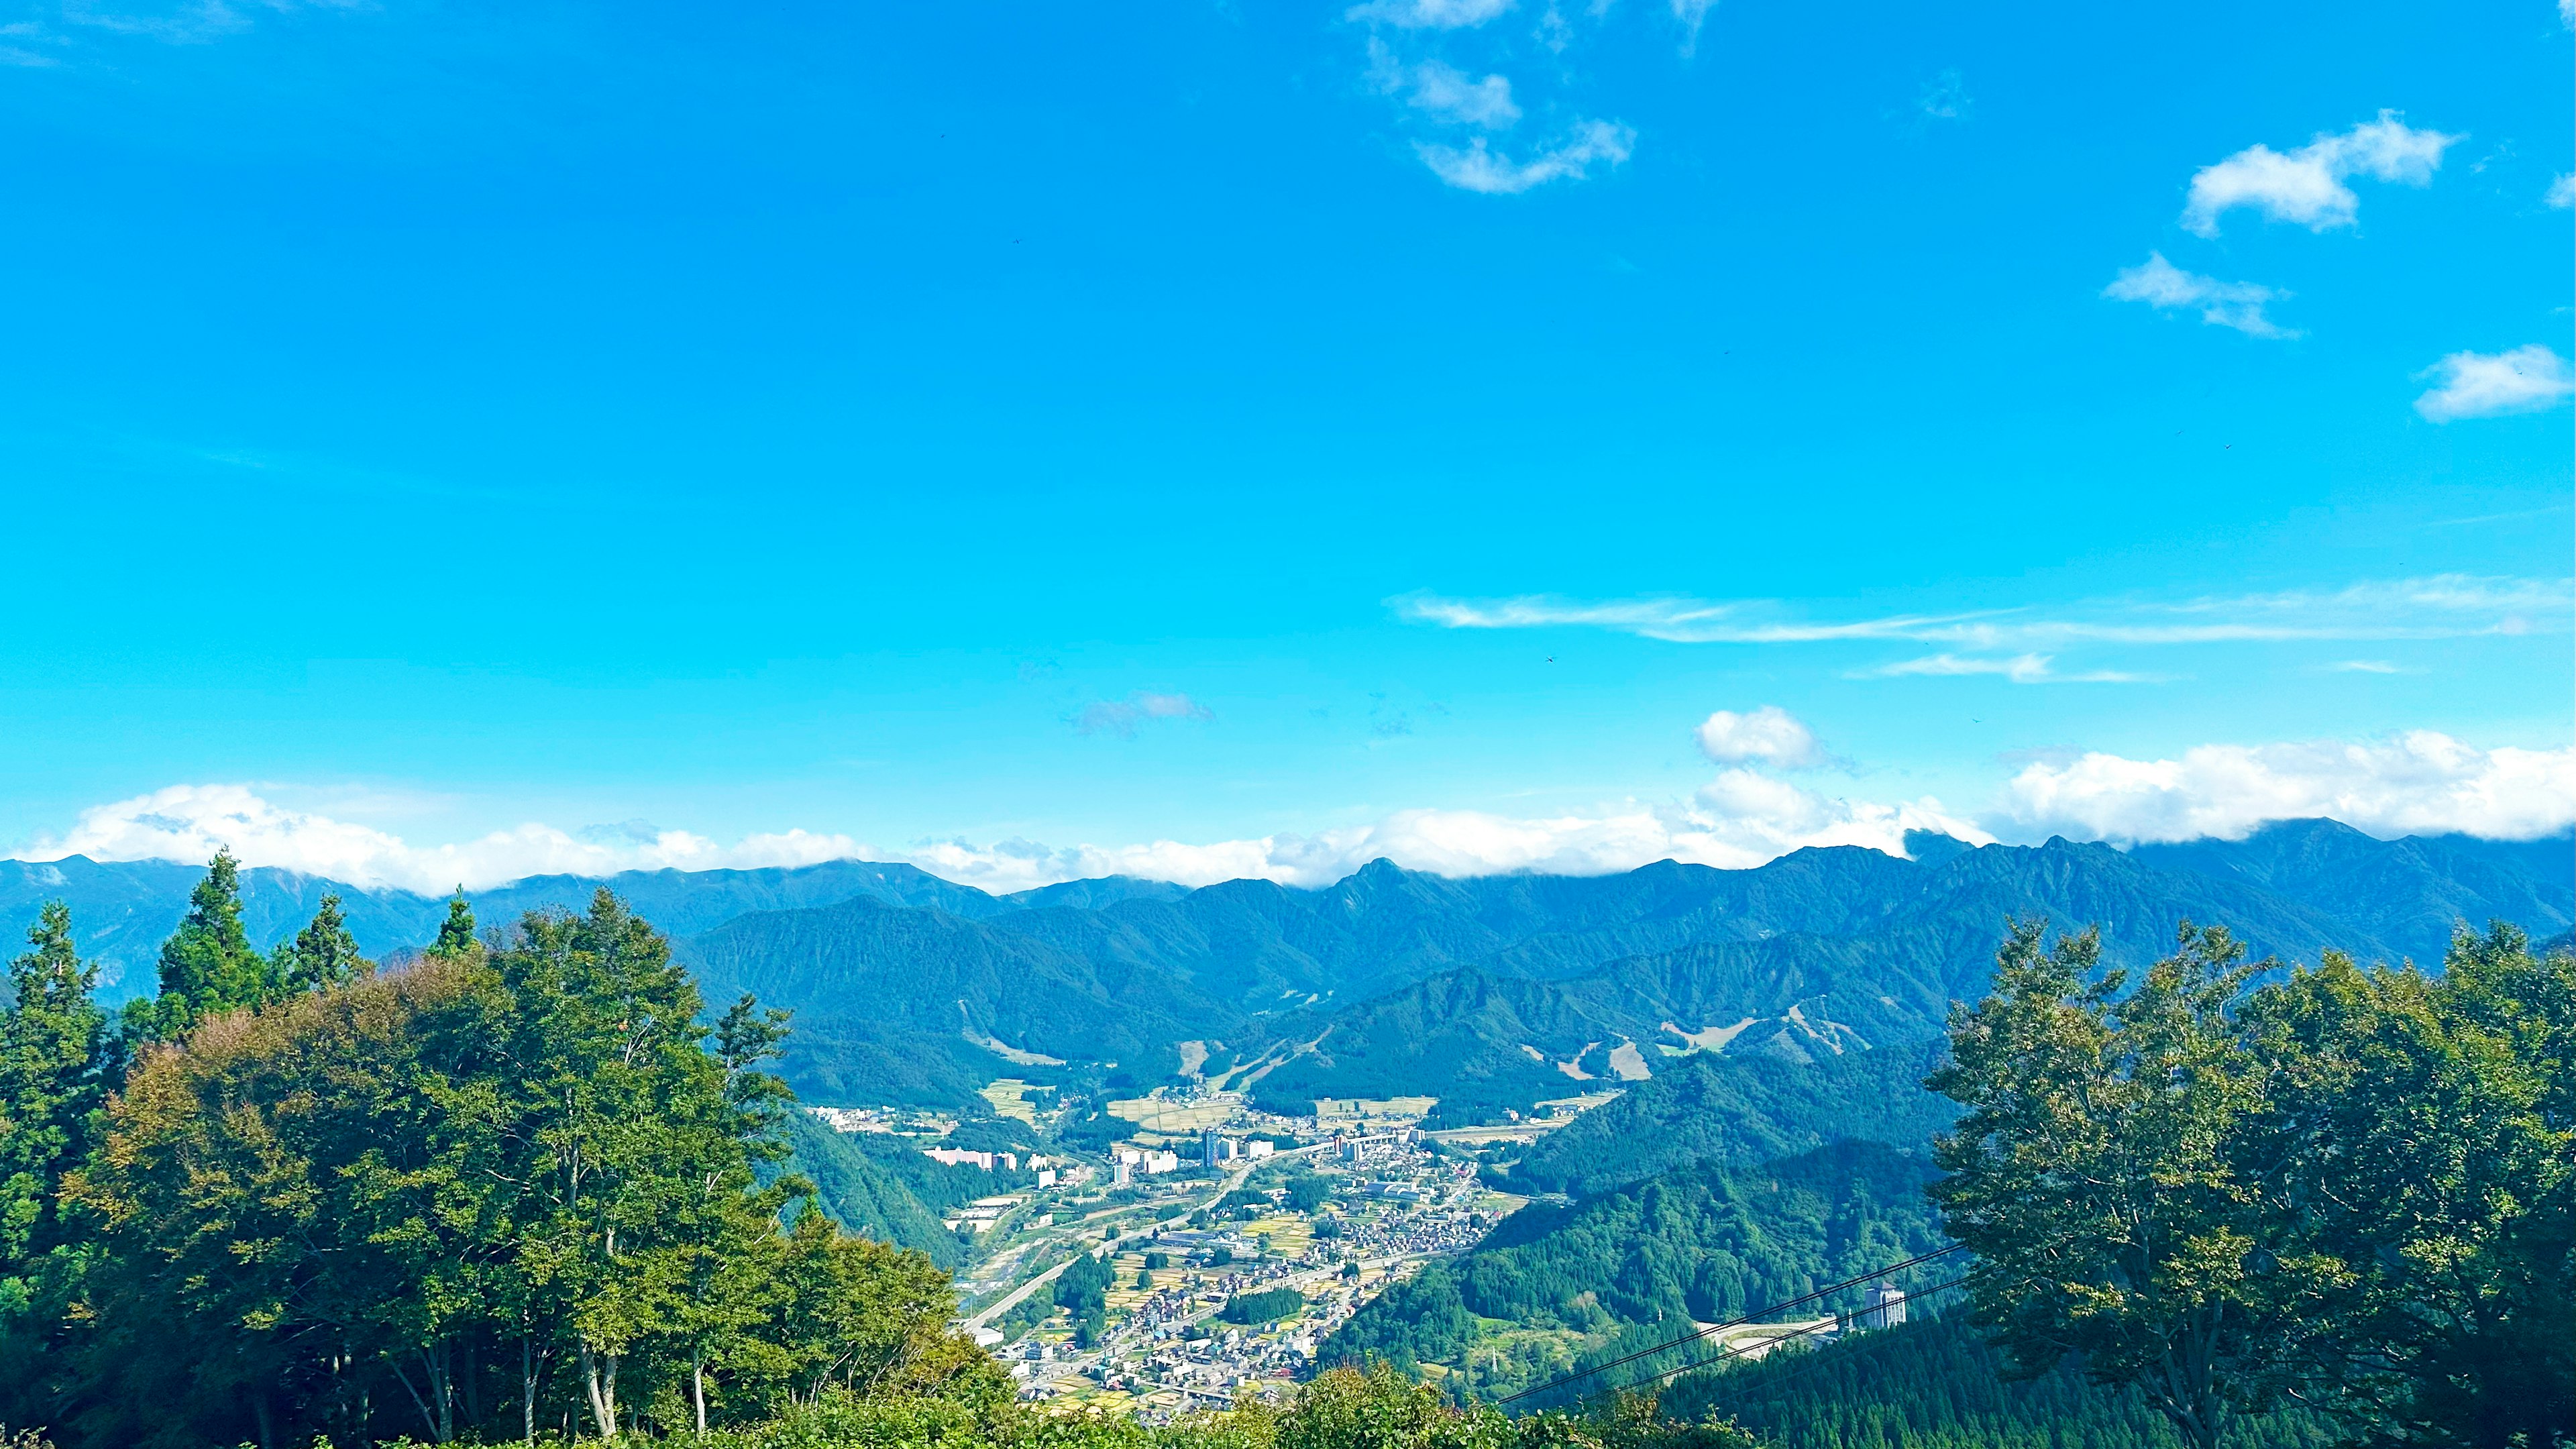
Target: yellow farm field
1173,1117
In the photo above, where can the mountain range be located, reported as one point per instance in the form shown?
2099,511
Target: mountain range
1493,993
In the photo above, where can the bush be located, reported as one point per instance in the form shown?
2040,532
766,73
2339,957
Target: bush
1263,1307
1308,1192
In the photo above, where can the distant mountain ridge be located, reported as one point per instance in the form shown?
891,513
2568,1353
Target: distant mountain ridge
1492,992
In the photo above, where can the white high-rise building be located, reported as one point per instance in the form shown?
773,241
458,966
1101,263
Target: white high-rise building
1886,1307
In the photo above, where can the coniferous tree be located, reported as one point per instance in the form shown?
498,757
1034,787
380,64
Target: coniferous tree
322,954
207,966
456,934
49,1084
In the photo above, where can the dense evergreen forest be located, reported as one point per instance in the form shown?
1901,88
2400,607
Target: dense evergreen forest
1553,1291
1739,1109
1934,1384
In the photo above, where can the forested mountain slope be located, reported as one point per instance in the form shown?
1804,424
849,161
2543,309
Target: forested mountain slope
1500,1042
1933,1384
1408,982
2403,892
1738,1109
1558,1289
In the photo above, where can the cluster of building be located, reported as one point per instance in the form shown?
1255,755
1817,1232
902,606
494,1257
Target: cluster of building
1048,1169
1218,1150
1130,1161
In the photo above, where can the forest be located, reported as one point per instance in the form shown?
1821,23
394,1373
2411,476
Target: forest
512,1187
528,1184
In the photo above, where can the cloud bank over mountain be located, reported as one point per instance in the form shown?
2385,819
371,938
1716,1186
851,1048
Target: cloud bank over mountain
2420,782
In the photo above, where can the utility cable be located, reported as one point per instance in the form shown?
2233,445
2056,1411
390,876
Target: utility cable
1770,1344
1700,1334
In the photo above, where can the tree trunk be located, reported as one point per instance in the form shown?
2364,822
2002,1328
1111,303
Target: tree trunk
698,1392
599,1381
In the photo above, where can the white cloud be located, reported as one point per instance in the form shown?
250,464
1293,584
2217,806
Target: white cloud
2415,783
1477,167
1121,716
1770,734
2164,286
1429,14
2439,606
2306,185
2363,666
2020,669
191,822
1443,92
1739,820
2562,191
2474,385
1448,94
1692,14
1944,98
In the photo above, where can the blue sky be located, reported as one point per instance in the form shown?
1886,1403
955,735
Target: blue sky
458,440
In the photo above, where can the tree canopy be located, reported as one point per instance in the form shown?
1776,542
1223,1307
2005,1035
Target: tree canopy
2349,1189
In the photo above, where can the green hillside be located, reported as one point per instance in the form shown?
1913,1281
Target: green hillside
865,1193
1556,1290
1932,1384
1735,1109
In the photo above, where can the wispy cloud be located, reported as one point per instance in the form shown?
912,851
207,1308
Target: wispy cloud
2162,285
1691,15
1121,717
2562,191
2306,186
2444,606
2477,385
1944,98
1429,14
2363,666
2019,668
1478,167
2417,782
1443,92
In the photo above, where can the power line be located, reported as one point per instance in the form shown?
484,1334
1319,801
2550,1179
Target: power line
1792,1375
1700,1334
1783,1338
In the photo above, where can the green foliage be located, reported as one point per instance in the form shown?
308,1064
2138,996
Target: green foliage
1265,1307
1936,1384
207,966
2351,1189
456,933
322,954
861,1193
1308,1192
1083,1291
2091,1175
1634,1267
1157,1259
1739,1109
1342,1409
2418,1140
50,1035
500,1189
